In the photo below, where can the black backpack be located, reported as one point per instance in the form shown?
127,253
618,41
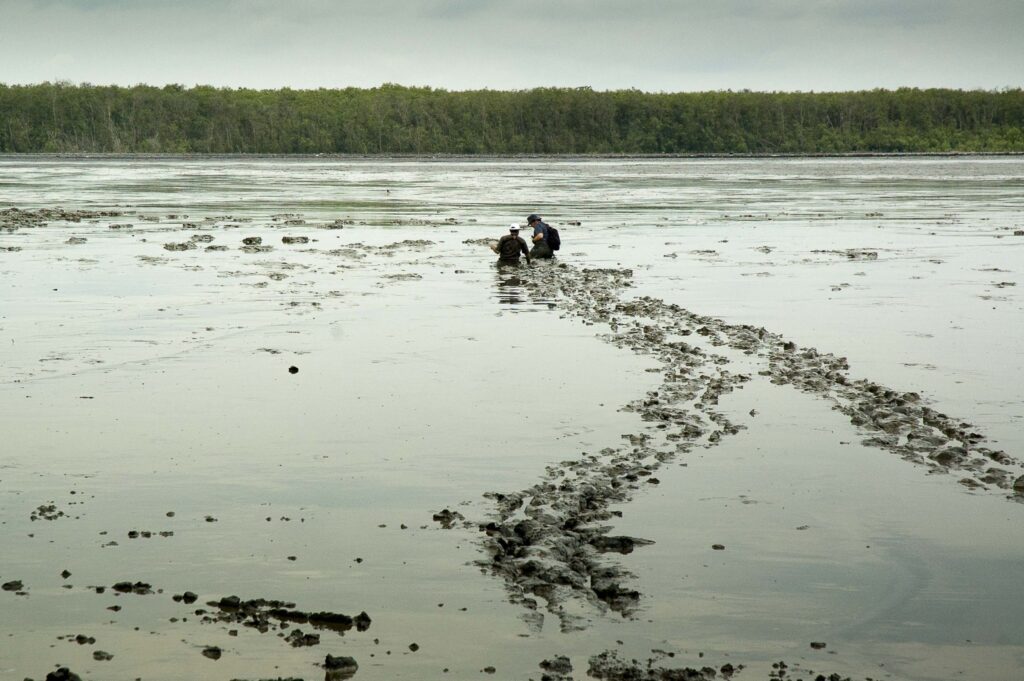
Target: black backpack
554,241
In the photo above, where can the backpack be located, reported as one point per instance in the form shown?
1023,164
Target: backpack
554,241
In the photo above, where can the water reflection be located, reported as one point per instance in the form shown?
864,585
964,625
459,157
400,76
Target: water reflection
516,287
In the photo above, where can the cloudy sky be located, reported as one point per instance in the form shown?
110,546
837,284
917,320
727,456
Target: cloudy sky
654,45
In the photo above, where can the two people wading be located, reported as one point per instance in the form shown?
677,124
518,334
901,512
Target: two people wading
545,242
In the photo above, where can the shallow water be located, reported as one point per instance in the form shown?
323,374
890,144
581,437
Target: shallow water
137,381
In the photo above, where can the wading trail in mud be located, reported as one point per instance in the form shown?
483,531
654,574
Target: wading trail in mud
551,541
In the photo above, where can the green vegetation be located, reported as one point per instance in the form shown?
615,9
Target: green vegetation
60,117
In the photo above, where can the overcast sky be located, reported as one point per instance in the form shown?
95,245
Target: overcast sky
653,45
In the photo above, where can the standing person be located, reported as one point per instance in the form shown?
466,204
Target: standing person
510,246
541,248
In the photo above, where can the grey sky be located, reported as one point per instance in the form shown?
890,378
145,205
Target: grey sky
655,45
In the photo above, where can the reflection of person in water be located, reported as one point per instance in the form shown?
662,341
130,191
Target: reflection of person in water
510,246
510,287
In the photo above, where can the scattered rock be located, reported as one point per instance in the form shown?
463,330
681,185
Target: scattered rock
140,588
448,518
339,668
298,639
183,246
63,674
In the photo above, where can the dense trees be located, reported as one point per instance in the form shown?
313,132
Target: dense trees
60,117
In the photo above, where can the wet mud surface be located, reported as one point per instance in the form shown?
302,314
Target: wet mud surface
314,392
550,541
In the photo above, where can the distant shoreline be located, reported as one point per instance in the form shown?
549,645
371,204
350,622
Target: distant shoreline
503,157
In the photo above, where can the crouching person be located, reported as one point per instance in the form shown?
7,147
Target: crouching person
510,246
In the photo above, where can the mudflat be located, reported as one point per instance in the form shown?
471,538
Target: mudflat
287,418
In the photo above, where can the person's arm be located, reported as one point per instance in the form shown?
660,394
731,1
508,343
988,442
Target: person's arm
526,251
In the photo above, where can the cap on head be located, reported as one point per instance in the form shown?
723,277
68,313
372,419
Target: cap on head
533,218
513,227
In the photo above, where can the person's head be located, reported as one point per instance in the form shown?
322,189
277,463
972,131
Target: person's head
532,219
513,229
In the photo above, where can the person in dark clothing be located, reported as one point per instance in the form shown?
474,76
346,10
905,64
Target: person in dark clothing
510,246
540,249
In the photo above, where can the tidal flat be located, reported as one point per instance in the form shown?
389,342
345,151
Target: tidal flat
759,419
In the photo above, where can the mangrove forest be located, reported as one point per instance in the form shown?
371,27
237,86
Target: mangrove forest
392,119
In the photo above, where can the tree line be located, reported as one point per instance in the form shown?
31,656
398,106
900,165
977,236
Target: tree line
392,119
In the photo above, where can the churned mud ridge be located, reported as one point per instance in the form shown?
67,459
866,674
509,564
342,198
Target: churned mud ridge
898,421
261,614
608,666
548,541
12,219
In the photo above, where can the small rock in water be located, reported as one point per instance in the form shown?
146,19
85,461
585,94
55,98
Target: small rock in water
817,645
718,547
293,369
102,656
339,668
212,652
63,674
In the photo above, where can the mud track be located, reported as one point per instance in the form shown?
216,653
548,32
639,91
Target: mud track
551,540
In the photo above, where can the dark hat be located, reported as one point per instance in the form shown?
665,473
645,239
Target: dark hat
533,217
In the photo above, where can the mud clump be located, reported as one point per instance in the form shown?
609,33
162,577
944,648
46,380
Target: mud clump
339,668
299,639
557,669
47,512
448,518
262,614
182,246
139,588
608,666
